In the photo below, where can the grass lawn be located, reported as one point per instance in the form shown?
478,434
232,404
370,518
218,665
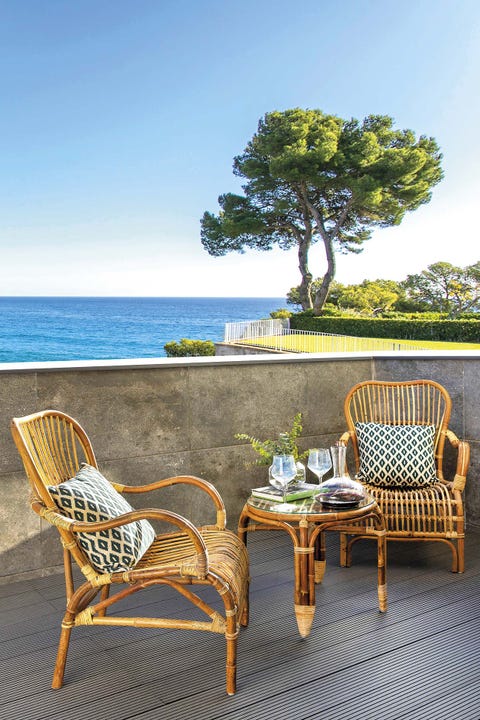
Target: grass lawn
431,345
307,342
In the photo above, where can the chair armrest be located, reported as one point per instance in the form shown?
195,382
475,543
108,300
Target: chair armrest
75,526
204,485
346,437
463,460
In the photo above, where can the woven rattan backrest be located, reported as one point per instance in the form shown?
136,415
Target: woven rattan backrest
417,402
52,446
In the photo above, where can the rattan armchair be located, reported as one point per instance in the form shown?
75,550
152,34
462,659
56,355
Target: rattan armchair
431,513
52,446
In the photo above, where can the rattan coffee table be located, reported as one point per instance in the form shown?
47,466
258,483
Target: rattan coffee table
306,524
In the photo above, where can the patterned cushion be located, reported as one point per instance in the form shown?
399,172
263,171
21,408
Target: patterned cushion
89,497
396,455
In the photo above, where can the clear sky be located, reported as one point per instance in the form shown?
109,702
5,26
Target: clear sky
120,120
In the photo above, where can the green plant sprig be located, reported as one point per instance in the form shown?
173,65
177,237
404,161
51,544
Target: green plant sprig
286,444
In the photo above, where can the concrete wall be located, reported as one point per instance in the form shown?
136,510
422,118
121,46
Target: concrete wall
151,419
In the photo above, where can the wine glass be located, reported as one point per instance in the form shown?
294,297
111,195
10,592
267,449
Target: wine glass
282,471
319,462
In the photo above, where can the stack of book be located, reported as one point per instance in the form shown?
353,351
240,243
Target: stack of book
302,490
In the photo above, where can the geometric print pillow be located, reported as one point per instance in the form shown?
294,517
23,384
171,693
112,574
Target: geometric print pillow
89,497
396,455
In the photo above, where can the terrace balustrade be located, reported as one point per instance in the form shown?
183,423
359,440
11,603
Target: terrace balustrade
155,418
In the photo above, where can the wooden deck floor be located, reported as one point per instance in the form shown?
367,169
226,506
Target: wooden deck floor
419,661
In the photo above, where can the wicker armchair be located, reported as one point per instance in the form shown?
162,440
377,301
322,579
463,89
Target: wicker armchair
52,446
434,512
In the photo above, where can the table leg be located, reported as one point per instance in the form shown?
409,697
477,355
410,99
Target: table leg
320,558
242,526
304,596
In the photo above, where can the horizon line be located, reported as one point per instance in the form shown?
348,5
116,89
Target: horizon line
152,297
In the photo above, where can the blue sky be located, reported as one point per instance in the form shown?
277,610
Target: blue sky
120,121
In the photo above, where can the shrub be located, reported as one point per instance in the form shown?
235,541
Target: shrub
281,314
189,348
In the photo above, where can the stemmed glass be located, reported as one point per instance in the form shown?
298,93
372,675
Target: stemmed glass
319,462
282,471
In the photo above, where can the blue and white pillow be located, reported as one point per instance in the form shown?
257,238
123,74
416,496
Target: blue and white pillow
396,455
89,497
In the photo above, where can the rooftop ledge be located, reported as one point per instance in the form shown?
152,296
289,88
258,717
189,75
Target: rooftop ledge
158,417
259,359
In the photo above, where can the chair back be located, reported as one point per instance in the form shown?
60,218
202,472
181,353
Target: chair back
415,402
52,446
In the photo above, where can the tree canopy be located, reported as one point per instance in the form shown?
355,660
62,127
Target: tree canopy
369,297
314,177
441,288
446,288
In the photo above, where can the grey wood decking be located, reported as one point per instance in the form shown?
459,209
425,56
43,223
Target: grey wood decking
419,661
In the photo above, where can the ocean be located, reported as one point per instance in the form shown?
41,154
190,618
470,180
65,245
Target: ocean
95,328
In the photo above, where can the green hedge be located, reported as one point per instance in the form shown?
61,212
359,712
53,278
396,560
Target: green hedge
441,330
189,348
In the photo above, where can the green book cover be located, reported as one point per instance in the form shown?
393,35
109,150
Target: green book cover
300,491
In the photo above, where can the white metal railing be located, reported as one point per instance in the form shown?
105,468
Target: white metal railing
277,335
253,329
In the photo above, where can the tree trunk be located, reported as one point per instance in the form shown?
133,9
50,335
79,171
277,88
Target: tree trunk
305,287
321,294
328,238
304,291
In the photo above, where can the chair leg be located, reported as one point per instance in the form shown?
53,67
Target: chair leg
344,560
231,668
231,637
63,643
245,617
461,555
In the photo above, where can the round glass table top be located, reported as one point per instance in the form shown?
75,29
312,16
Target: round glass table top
308,506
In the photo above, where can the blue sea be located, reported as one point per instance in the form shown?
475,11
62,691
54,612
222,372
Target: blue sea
75,328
